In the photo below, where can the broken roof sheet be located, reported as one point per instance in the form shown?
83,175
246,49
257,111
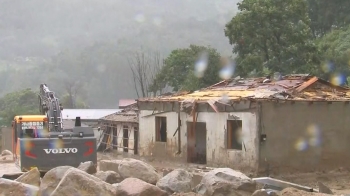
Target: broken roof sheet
290,87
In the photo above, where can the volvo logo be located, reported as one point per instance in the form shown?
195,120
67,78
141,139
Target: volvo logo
61,150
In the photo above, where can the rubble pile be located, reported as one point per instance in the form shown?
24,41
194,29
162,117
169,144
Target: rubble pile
131,177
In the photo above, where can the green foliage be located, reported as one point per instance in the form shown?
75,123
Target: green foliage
22,102
178,71
334,48
326,15
272,34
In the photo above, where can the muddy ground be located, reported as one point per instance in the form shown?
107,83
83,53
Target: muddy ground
337,180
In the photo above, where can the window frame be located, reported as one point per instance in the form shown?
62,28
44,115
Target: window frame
230,143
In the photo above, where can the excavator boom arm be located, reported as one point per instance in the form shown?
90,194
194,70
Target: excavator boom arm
50,106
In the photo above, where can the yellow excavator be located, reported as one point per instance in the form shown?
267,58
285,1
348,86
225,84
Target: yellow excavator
40,140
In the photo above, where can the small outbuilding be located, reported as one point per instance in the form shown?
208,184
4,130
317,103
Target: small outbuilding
120,131
294,123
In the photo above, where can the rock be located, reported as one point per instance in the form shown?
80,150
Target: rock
260,193
31,177
6,152
273,193
324,189
179,181
225,181
296,192
109,165
115,185
137,187
81,183
88,167
52,179
196,178
132,168
10,187
110,177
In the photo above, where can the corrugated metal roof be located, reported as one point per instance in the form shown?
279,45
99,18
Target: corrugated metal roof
290,87
87,114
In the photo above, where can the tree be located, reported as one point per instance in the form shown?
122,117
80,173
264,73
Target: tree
272,34
22,102
326,15
144,68
184,68
67,102
334,48
69,75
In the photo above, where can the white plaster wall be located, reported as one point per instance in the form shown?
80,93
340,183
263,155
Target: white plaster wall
216,123
147,133
216,138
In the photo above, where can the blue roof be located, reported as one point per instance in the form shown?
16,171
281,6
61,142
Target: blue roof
87,114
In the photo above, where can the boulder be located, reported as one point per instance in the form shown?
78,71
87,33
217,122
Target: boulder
52,179
137,187
110,177
132,168
88,167
31,177
178,180
225,181
81,183
260,193
11,187
197,178
6,152
109,165
115,185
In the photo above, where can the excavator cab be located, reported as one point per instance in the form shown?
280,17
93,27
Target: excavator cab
26,127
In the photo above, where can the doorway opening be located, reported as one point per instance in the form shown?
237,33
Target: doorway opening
197,143
161,129
136,140
125,138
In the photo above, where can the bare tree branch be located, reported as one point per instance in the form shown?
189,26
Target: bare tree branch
145,68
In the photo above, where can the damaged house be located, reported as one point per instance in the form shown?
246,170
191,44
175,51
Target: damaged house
120,131
297,123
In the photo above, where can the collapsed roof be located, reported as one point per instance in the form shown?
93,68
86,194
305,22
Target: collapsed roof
296,87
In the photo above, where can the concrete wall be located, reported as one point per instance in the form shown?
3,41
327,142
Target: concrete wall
148,145
216,152
305,137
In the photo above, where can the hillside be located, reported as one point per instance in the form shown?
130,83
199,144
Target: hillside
32,32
